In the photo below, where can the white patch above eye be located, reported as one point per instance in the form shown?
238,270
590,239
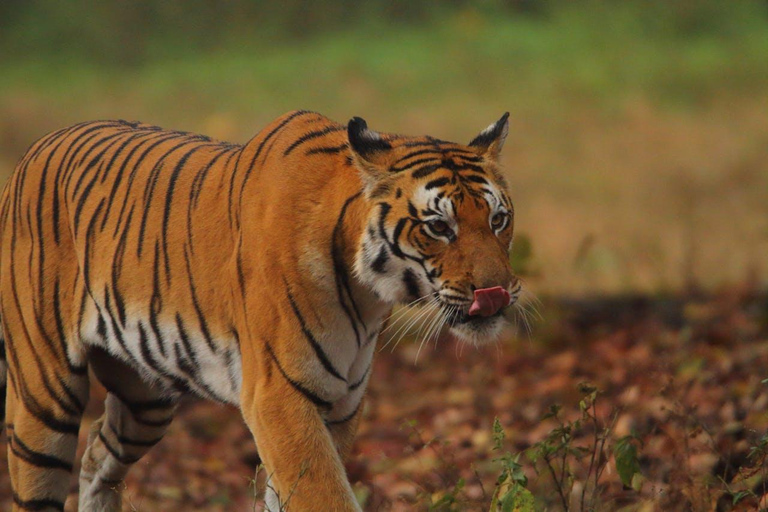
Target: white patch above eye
432,207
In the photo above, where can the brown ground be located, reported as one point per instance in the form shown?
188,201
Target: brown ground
683,375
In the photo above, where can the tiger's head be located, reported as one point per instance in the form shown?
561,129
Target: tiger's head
440,227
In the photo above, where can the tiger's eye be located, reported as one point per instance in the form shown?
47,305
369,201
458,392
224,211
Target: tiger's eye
498,220
439,227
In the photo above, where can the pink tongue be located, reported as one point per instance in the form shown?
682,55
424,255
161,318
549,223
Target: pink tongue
489,301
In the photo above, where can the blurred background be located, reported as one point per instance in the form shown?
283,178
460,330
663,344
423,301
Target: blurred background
638,163
638,150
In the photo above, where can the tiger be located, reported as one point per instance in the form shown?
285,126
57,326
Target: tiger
258,275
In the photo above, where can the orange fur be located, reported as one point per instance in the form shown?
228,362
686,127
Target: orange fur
256,274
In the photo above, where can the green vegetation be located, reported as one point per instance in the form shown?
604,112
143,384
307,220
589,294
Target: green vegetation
679,53
638,128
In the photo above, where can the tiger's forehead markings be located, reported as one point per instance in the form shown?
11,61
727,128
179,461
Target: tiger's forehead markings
443,194
430,151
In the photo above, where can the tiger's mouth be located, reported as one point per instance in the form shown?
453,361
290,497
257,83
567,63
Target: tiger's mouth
462,317
485,307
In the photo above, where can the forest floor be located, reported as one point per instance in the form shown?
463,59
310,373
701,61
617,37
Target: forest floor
683,377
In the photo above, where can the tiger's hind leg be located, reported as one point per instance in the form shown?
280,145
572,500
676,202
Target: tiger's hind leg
136,417
44,406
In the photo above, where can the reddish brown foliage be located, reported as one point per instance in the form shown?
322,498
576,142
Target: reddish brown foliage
685,376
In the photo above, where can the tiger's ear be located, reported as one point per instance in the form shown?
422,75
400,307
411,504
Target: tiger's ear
490,141
370,152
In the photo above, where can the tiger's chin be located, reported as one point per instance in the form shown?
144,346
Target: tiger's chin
478,330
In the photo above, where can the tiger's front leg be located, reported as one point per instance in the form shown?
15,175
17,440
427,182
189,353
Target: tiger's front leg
302,461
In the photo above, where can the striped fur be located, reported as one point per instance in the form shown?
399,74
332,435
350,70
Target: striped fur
257,275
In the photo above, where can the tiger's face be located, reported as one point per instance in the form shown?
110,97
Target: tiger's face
440,227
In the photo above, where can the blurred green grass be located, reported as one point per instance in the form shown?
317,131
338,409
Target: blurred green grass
639,142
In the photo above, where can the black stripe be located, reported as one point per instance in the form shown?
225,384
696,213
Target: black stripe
41,460
383,212
398,231
327,150
169,202
44,415
416,153
357,384
133,442
77,146
56,207
77,370
91,164
138,406
439,182
249,169
347,417
197,183
418,143
412,211
82,200
110,134
158,139
319,352
197,186
340,271
67,166
156,301
411,285
423,172
380,262
413,164
117,265
198,311
469,158
120,149
149,191
38,504
266,138
474,179
312,135
87,257
450,164
113,323
146,353
297,386
185,340
123,459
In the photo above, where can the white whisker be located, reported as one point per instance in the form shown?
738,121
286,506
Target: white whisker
407,323
438,317
405,329
396,316
434,321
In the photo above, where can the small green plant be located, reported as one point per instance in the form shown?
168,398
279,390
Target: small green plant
559,456
753,479
511,493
